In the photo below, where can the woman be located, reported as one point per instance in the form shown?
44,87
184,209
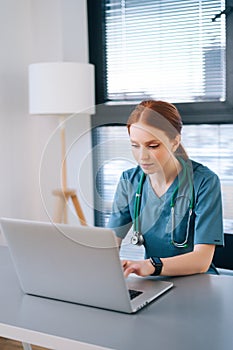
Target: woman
177,212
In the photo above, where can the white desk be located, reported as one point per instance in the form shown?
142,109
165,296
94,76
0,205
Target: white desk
196,314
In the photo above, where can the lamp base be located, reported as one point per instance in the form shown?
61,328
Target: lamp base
63,197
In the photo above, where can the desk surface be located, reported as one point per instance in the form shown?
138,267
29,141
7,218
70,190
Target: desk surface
197,313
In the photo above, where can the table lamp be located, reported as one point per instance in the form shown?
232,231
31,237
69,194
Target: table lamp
62,89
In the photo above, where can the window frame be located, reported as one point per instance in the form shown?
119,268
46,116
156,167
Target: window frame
108,113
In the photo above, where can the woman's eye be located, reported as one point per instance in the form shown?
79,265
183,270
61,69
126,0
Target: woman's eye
153,146
134,145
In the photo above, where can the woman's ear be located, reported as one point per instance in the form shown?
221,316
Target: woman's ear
176,142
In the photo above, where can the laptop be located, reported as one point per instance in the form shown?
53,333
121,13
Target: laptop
77,264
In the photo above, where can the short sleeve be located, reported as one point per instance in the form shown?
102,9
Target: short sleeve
208,211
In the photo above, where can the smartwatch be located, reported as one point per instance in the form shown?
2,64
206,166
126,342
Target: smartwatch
158,265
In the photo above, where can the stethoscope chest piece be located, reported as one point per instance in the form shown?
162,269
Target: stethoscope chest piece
137,238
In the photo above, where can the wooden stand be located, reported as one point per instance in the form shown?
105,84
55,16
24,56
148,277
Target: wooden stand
65,194
61,208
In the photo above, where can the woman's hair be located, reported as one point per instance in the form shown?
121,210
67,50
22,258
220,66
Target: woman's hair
161,115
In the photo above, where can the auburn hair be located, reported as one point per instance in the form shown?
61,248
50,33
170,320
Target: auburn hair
161,115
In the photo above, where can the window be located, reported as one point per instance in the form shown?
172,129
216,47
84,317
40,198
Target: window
207,98
203,57
168,49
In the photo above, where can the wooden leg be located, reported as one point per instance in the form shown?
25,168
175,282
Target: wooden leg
78,209
61,206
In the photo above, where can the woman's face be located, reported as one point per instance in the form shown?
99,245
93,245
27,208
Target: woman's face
152,148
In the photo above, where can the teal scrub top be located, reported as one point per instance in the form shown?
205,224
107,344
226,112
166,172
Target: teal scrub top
206,224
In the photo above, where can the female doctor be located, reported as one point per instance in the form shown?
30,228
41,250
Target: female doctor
173,203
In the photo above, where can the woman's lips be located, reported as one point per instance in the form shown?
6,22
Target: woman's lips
145,166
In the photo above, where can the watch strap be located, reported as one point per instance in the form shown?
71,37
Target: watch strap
158,265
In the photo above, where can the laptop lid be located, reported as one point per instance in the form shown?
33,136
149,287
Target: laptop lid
77,264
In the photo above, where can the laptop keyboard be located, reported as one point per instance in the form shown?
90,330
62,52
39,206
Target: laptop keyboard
134,293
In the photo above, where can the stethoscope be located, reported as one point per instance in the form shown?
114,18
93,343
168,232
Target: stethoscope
137,237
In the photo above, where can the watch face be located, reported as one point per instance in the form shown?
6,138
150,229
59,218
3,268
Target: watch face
157,261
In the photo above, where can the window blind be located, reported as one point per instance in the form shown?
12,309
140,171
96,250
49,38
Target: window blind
111,154
169,50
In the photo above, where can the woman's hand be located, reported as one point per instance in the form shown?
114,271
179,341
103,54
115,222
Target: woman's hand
141,267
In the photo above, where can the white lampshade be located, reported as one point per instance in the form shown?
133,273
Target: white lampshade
61,88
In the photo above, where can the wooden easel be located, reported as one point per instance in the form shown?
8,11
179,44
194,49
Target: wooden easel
61,208
63,195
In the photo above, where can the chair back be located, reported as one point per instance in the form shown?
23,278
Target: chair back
223,256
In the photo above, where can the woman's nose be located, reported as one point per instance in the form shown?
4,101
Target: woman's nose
144,153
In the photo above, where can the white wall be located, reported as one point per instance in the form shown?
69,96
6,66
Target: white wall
35,31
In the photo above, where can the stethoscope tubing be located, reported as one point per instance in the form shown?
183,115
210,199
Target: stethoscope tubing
137,203
137,237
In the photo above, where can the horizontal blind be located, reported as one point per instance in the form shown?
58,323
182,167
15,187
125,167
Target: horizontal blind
170,50
112,154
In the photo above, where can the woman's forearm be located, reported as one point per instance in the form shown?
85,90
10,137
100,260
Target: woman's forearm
197,261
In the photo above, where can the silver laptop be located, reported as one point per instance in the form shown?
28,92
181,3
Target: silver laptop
76,264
